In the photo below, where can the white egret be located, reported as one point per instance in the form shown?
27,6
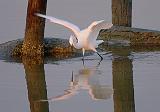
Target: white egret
85,39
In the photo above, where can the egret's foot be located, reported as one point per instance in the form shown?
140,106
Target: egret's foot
72,79
99,63
83,58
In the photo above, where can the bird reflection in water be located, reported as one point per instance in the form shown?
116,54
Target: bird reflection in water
86,79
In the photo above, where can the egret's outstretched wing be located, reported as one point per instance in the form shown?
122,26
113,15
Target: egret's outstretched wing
98,25
66,24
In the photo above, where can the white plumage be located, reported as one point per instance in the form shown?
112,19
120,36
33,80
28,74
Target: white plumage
82,39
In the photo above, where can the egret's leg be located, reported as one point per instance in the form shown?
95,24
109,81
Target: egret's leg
99,55
97,52
83,61
72,79
83,50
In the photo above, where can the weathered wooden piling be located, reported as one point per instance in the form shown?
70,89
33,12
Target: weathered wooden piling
34,32
122,32
122,12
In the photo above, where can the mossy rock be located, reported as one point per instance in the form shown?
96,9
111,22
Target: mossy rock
134,36
53,47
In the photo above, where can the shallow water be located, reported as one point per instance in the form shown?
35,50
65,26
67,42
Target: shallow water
123,82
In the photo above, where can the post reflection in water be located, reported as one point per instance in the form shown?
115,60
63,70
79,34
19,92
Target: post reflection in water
82,80
36,85
123,81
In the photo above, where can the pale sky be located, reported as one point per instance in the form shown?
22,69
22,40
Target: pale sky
79,12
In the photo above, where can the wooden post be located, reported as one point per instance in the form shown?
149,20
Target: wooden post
122,12
34,32
123,82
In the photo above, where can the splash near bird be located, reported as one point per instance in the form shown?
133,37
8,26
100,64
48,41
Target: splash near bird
85,39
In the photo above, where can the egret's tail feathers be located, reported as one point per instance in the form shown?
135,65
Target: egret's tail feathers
99,41
108,26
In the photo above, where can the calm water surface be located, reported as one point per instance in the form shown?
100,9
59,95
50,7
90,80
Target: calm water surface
125,81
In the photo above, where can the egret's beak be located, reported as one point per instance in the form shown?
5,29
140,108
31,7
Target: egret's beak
71,44
71,41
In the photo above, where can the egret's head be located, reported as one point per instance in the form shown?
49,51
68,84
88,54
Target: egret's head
73,41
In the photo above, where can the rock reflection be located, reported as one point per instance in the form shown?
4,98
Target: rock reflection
83,80
123,81
36,85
